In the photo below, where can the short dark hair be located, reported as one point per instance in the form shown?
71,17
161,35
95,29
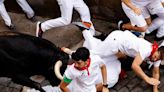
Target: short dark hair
81,53
161,50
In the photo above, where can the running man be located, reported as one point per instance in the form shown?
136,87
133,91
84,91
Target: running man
66,8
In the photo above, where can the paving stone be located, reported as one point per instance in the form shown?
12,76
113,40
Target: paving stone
14,85
2,87
121,84
8,89
124,89
15,90
112,90
162,78
148,90
5,81
131,74
132,83
143,84
137,89
161,89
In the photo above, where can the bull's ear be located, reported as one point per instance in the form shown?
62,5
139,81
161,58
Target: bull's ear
57,70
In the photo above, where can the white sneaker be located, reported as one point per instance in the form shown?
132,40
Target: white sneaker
39,31
147,32
80,25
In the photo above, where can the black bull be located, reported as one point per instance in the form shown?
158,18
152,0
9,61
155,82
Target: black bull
22,56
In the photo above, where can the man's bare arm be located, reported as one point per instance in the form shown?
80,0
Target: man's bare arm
136,67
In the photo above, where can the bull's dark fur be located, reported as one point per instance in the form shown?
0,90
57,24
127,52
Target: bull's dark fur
22,56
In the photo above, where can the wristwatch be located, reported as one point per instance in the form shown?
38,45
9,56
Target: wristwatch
105,85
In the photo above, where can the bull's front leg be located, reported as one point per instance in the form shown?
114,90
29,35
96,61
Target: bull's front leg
26,81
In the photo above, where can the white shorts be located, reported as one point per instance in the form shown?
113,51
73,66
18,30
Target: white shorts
113,66
160,32
135,19
145,13
155,7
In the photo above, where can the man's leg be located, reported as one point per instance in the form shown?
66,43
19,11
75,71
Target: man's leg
90,42
66,8
156,8
157,22
104,48
5,15
160,32
138,22
26,8
80,6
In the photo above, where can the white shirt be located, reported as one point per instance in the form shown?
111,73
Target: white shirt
81,81
132,44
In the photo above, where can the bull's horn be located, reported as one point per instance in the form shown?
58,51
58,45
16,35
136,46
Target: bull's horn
57,70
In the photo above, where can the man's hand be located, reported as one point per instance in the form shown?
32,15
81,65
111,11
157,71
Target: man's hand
153,81
156,90
105,89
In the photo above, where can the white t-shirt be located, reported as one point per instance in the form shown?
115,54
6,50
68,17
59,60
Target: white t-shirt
81,81
132,44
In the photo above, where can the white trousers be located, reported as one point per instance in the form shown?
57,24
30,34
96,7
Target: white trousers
113,66
66,8
106,50
5,15
109,46
25,7
135,19
158,23
160,32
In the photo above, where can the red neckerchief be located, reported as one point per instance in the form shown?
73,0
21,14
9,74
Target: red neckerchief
154,48
86,67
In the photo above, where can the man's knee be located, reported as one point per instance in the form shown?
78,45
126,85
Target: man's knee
66,21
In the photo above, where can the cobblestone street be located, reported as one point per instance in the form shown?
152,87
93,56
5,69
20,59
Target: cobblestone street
73,38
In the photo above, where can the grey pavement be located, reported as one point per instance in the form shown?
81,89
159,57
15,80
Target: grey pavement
70,36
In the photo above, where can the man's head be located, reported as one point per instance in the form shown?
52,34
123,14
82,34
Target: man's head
159,54
81,57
